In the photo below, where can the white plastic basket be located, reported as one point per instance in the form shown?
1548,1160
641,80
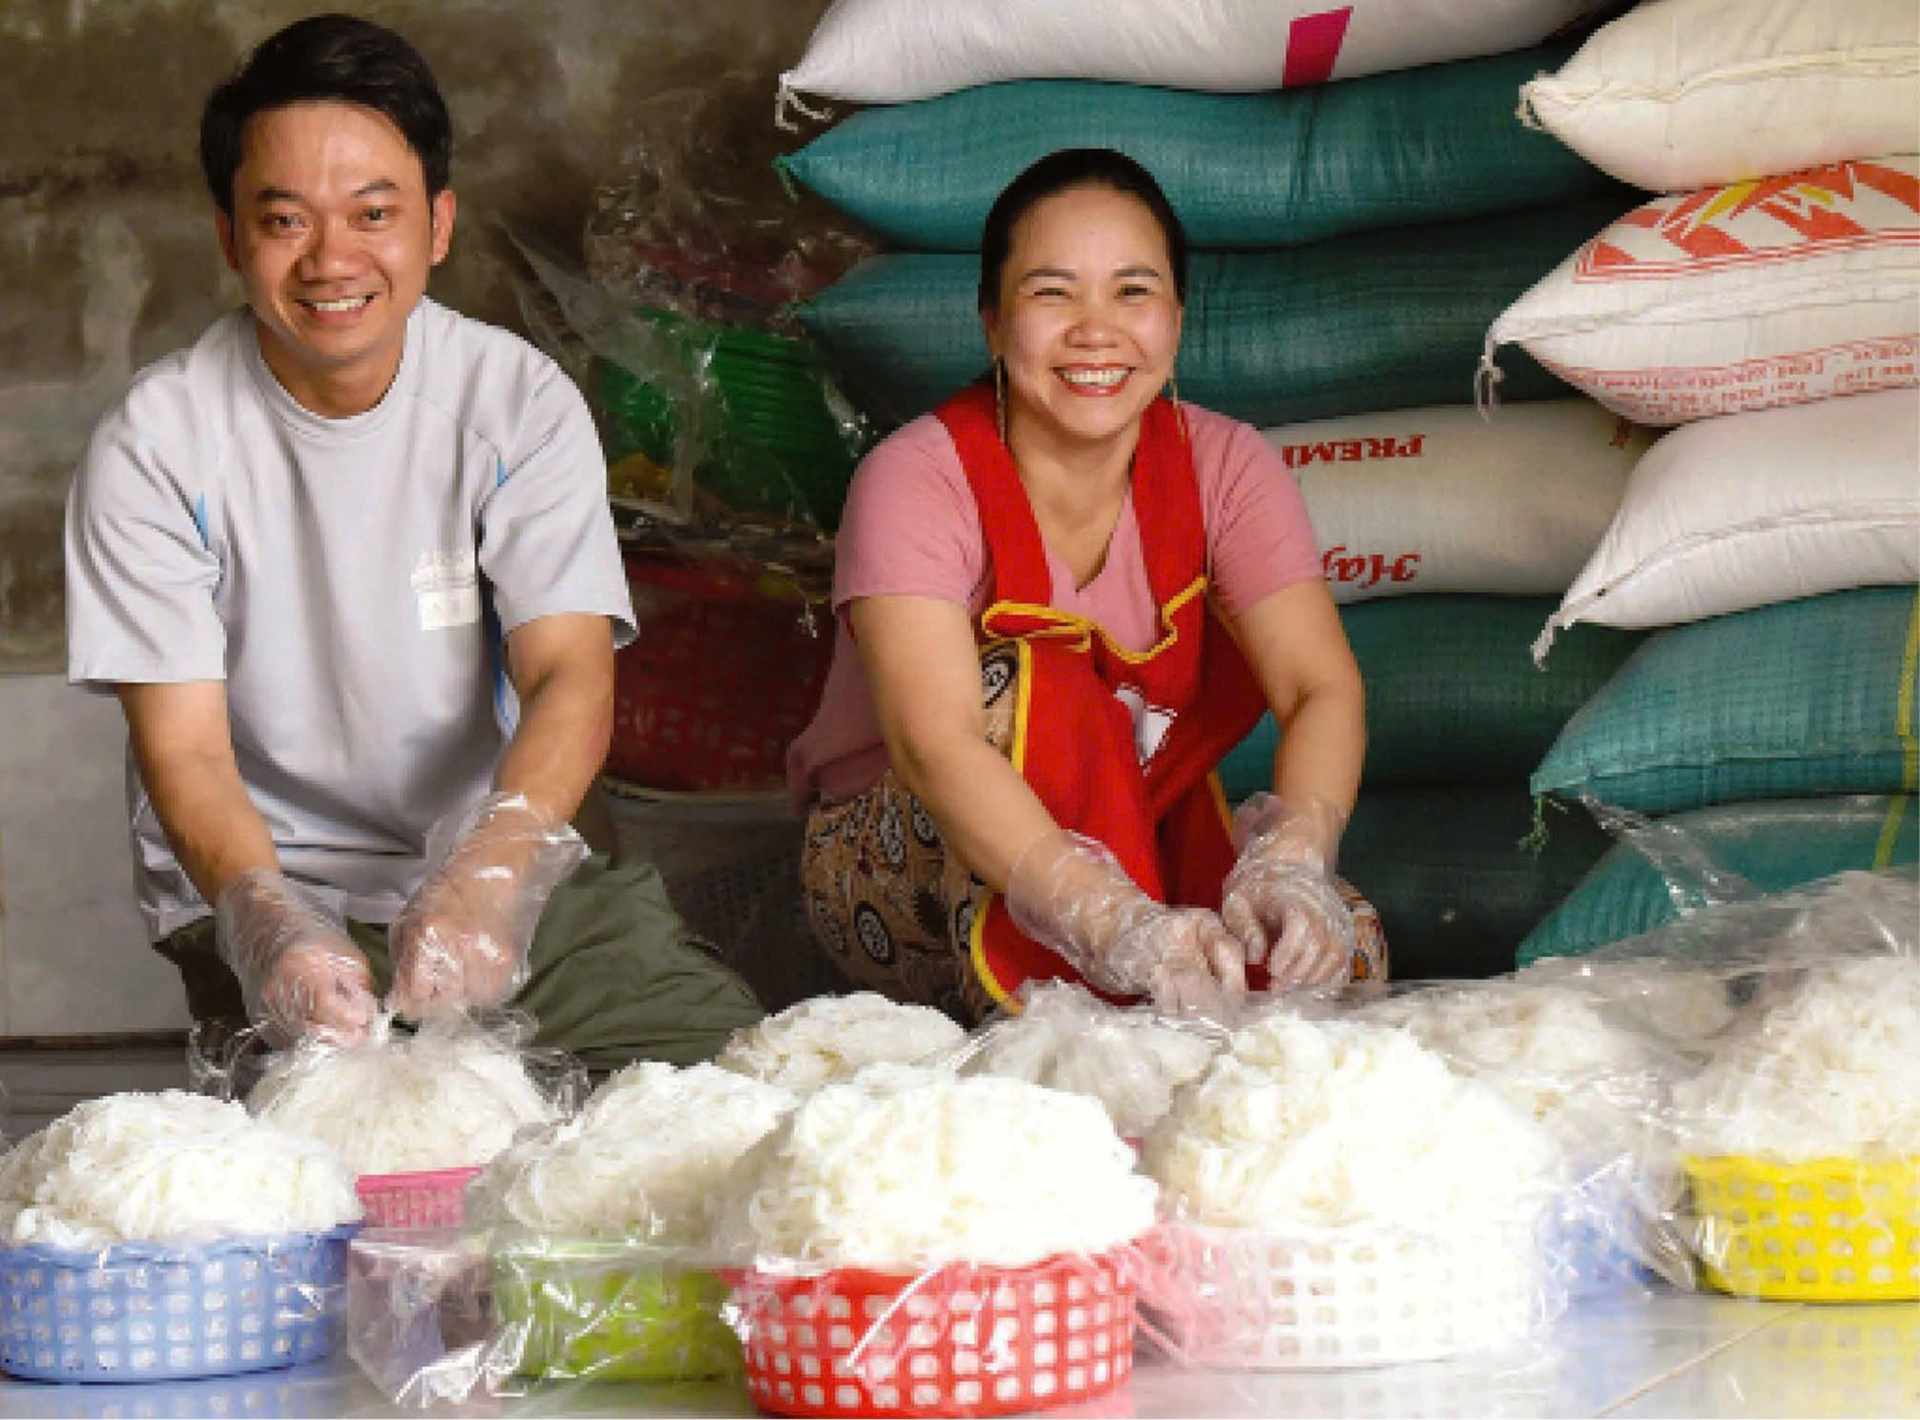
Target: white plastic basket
1362,1296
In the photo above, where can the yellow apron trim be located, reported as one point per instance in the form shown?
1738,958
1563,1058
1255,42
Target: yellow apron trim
1068,624
1017,753
1903,718
1890,832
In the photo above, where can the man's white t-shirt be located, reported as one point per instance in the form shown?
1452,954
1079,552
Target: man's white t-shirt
351,580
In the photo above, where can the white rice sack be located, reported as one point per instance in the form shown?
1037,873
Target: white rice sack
641,1162
1824,1071
448,1097
1066,1038
1688,93
906,1168
829,1038
1328,1124
1751,509
889,51
171,1167
1741,297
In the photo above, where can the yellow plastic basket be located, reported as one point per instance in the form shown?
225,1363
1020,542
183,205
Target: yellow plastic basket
1829,1230
598,1312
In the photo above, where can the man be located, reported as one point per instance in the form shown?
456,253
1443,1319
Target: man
348,564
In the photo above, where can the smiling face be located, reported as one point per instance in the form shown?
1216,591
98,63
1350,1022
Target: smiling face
1088,320
333,236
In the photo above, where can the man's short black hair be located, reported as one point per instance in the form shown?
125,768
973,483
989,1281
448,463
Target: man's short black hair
328,57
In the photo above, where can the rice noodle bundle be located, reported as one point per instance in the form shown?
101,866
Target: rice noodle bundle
827,1038
169,1167
905,1168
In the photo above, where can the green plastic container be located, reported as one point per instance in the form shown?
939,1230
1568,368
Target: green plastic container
605,1312
773,442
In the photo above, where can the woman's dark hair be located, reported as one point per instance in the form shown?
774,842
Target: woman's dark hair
1062,171
328,57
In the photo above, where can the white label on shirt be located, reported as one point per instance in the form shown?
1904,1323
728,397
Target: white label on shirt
447,587
1150,722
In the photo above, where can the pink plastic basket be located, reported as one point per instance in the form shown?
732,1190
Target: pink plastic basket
429,1198
962,1341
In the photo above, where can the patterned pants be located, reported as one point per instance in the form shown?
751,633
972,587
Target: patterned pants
895,909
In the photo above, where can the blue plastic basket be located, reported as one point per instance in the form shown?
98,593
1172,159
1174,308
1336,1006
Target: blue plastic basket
1594,1235
149,1312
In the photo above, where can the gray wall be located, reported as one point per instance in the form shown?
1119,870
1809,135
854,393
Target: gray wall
107,261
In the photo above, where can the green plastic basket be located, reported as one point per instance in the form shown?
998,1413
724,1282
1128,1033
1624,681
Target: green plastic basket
775,447
603,1312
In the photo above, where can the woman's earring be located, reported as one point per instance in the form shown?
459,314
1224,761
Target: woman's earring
1000,396
1173,393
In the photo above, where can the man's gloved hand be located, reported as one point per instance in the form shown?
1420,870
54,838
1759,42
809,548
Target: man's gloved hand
463,937
300,973
1069,893
1279,898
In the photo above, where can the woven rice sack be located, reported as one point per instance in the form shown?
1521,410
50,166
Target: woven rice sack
1386,320
1242,170
1451,694
1692,93
1807,697
1774,846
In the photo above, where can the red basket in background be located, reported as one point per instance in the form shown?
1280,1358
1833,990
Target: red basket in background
726,671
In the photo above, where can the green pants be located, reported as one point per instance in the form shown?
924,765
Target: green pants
616,975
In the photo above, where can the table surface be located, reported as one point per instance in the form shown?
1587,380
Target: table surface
1664,1354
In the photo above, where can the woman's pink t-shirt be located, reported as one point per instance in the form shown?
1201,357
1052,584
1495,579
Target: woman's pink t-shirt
911,528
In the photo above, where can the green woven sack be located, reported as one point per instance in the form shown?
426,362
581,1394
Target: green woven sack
1775,846
1453,695
1387,320
1242,170
1806,697
1455,888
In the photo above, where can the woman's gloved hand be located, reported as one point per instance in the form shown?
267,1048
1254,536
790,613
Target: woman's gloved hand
300,973
463,937
1279,898
1069,893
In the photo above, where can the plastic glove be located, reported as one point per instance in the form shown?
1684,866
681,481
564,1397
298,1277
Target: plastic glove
463,937
1279,898
1069,893
300,973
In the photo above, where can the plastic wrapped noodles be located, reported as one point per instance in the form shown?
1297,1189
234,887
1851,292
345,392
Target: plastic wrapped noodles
923,1244
1067,1038
1337,1195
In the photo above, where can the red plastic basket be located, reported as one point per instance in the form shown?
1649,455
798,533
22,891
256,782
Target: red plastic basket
961,1341
724,674
428,1198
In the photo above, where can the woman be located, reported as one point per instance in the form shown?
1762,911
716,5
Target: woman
1062,597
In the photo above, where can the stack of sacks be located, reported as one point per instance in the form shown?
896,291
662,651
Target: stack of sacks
966,1241
827,1038
1350,240
1066,1038
1347,237
1768,303
1342,1159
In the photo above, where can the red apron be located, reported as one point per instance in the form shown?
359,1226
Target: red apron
1149,793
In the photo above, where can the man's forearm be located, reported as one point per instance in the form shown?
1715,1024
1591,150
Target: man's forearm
566,722
180,743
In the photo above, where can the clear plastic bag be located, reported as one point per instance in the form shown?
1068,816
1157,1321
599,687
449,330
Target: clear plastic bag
1062,1036
411,1112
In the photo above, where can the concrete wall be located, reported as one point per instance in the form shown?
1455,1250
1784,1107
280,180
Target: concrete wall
107,261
